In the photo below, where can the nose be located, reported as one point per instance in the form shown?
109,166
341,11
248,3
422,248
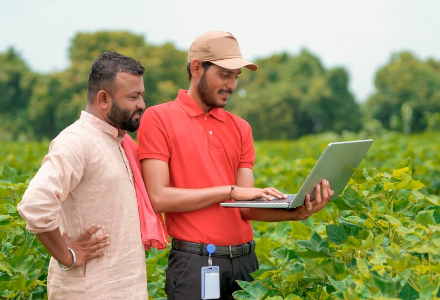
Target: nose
232,83
141,104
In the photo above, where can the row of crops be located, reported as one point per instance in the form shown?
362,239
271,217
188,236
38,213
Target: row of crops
379,240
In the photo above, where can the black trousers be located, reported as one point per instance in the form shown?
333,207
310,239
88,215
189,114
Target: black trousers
183,274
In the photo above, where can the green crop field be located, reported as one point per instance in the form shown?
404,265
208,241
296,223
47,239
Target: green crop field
379,240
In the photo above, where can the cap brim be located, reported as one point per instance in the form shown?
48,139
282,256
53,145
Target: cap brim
235,63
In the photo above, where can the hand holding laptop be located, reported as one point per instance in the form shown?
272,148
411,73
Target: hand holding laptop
323,194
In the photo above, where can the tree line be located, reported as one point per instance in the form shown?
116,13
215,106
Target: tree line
289,96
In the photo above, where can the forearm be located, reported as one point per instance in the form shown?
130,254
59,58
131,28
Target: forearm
169,199
269,214
57,247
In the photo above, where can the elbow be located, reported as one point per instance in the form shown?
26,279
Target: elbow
245,213
157,203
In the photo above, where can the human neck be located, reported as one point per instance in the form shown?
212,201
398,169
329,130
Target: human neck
193,93
91,109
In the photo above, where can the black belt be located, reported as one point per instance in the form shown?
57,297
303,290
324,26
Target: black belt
225,251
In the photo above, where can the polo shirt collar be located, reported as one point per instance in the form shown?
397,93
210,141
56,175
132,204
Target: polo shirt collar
193,109
103,126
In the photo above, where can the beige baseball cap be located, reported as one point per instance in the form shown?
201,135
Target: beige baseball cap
220,48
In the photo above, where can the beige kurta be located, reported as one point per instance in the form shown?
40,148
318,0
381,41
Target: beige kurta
86,180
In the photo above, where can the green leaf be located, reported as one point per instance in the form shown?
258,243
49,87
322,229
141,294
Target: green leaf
342,285
425,218
358,176
7,174
408,293
315,243
352,241
385,284
295,277
393,221
252,290
300,230
336,234
430,289
399,173
405,164
355,219
351,229
4,266
407,183
349,200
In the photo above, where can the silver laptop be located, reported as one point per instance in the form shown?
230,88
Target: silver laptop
333,165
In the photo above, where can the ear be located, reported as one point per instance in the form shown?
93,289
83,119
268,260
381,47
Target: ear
104,99
196,68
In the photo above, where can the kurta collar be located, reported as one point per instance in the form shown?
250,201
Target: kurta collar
193,109
103,126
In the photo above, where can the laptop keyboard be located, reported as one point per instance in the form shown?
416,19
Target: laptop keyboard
289,198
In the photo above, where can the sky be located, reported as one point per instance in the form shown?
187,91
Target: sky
360,36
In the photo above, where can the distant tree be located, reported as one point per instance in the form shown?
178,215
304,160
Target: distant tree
165,65
407,93
287,97
46,97
16,84
58,98
290,96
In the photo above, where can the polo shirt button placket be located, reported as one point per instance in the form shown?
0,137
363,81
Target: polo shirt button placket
210,132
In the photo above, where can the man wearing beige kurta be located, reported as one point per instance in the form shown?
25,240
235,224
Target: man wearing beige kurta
84,181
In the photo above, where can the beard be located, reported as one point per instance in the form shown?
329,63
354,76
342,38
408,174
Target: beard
122,119
207,94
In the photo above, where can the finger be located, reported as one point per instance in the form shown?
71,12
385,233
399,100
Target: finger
267,195
325,190
274,192
98,239
318,194
88,234
99,246
279,194
308,204
94,255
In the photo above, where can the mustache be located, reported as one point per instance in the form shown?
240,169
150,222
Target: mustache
229,91
137,111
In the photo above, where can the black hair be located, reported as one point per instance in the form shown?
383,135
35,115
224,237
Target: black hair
205,65
105,68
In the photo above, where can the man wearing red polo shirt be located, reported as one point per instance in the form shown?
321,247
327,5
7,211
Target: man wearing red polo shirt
195,155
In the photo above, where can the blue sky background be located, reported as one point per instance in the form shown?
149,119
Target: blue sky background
357,35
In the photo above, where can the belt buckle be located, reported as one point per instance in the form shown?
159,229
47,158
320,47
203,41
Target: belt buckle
230,251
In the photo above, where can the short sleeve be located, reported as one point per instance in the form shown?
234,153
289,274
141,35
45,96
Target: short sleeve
60,172
247,156
152,137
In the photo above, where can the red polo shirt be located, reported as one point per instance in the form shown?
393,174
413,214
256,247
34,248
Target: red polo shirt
202,150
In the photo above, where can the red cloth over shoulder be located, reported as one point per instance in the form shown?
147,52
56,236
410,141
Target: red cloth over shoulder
153,231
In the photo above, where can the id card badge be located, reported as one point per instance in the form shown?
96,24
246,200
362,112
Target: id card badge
210,282
210,277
